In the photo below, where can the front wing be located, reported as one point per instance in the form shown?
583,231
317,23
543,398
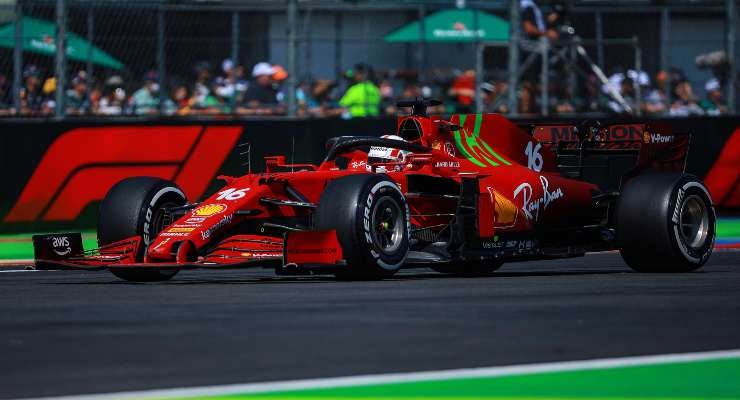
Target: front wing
295,253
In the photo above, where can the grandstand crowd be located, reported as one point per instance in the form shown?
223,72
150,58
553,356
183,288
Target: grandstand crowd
231,89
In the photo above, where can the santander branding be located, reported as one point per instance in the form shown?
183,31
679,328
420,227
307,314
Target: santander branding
218,225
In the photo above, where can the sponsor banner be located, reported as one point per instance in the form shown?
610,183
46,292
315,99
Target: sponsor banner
54,174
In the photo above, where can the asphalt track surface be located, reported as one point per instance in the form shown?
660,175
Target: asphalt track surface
74,333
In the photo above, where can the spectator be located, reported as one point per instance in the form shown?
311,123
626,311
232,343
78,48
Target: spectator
114,97
527,101
685,104
145,101
48,93
201,88
241,83
387,101
362,99
279,75
213,103
225,85
626,88
183,102
655,101
591,94
463,91
261,97
31,97
321,103
712,104
78,102
563,101
96,94
6,101
534,24
488,95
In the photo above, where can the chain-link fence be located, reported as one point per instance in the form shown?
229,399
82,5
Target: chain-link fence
255,58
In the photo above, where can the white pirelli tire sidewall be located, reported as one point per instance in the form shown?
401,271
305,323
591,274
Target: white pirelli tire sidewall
370,216
694,239
665,222
384,193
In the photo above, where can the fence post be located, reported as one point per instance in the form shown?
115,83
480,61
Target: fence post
161,62
572,84
18,57
638,68
665,34
545,76
731,54
599,39
479,50
338,45
513,55
61,58
291,58
90,40
422,48
235,30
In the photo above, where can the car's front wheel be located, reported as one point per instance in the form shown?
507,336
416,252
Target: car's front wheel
371,218
138,207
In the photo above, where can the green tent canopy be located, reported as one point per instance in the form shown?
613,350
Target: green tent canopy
38,37
457,25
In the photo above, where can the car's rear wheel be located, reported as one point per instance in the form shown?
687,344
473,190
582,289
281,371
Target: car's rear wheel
468,268
138,207
665,223
371,218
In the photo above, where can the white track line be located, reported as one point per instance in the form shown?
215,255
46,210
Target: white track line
16,262
250,388
6,271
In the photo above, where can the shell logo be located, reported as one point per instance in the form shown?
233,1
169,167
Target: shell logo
505,212
209,209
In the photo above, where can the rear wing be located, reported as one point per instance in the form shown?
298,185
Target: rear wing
611,154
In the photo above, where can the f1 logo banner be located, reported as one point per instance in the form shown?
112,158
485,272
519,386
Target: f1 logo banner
723,179
82,164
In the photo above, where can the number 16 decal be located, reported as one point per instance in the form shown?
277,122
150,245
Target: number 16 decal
534,159
232,194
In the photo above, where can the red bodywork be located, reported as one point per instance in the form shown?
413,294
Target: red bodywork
520,190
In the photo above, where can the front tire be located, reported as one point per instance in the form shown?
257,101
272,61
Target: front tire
665,223
136,207
371,218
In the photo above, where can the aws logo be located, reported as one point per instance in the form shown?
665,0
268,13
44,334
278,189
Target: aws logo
82,164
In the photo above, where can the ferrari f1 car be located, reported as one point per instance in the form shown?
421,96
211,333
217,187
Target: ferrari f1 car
460,196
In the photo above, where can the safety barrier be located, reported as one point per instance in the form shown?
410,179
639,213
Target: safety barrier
55,173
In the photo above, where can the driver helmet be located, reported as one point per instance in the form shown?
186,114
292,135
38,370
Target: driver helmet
379,154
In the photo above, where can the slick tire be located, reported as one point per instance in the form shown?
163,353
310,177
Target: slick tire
371,218
134,207
468,268
665,222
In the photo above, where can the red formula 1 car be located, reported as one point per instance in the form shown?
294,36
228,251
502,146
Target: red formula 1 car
459,196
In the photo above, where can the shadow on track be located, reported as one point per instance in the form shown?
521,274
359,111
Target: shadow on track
328,279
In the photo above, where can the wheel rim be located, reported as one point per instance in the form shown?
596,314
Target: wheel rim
694,221
162,218
387,225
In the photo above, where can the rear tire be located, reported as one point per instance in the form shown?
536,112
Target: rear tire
468,268
665,223
371,218
134,207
